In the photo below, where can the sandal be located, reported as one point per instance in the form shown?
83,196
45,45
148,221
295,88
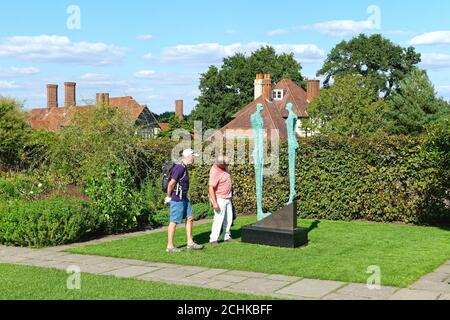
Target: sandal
195,247
173,250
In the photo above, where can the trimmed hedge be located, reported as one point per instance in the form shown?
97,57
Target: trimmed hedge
382,179
48,222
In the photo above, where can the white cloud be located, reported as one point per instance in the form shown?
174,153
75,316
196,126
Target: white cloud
435,60
431,38
145,74
95,77
148,56
8,85
277,32
213,53
144,37
47,48
340,27
15,71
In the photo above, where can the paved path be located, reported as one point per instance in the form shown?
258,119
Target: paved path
434,286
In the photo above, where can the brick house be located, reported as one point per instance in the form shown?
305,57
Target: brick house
274,98
54,117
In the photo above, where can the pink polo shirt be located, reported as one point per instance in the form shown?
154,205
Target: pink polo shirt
221,181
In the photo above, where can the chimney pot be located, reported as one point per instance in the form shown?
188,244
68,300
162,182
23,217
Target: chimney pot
267,87
52,96
179,112
70,94
313,90
258,85
102,99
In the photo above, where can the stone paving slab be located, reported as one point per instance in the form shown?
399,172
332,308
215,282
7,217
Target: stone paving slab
444,296
280,277
211,273
430,287
343,297
435,286
361,291
168,274
246,274
217,284
229,278
436,277
444,269
259,285
312,288
131,271
408,294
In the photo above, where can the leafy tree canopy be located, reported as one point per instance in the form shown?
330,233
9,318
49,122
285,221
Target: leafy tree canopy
351,108
385,62
224,91
415,105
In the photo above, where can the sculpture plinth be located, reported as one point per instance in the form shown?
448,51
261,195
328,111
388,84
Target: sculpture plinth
278,230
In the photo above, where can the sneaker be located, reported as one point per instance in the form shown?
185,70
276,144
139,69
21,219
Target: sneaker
195,247
214,243
229,240
173,250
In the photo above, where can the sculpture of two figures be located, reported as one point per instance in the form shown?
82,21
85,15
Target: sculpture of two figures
258,154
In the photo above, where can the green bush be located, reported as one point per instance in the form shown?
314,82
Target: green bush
118,204
48,222
383,179
25,185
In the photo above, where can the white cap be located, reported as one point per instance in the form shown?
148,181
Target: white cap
190,152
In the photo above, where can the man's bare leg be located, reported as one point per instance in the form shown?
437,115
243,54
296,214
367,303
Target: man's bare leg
189,224
170,235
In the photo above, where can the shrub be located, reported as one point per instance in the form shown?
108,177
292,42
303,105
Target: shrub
383,179
25,185
48,222
116,201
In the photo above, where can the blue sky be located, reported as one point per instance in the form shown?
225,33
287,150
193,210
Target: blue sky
155,50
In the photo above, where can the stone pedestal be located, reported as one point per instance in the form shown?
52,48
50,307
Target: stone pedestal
278,230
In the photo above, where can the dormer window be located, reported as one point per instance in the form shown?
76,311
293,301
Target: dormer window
277,94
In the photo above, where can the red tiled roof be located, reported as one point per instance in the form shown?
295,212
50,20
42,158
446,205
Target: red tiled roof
55,118
164,127
274,112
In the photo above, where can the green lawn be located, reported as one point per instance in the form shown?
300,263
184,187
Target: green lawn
337,251
30,283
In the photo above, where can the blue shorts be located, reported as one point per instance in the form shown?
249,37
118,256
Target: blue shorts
180,210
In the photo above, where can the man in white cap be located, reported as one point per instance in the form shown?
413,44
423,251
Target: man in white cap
180,206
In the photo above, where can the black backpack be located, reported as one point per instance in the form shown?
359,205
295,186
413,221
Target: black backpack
166,173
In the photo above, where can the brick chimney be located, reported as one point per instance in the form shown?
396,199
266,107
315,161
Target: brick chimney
258,85
267,87
52,96
179,112
313,90
69,94
102,99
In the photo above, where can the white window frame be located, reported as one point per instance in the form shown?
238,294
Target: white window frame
276,93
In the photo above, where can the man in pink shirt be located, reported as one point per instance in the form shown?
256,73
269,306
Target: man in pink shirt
220,193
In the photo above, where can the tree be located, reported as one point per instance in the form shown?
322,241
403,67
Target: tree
385,62
224,91
351,108
415,105
14,132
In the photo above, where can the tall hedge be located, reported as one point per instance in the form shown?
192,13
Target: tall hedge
383,179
